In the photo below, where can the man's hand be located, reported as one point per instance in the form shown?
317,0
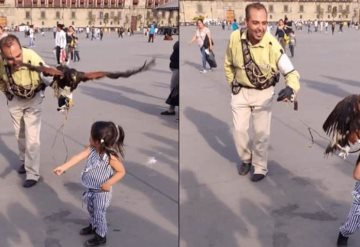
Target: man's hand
286,94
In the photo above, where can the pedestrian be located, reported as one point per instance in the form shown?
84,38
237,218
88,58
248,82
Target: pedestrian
101,33
333,24
31,36
151,33
60,44
292,43
102,170
282,33
76,50
173,99
200,35
23,88
2,32
253,89
234,25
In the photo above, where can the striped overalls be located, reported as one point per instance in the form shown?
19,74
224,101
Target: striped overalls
353,219
96,172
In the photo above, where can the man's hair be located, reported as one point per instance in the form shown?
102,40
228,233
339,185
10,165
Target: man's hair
258,6
9,41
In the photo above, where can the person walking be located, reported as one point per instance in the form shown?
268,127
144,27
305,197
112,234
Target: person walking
252,87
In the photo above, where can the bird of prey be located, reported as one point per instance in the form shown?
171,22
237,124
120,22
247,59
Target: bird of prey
65,80
343,125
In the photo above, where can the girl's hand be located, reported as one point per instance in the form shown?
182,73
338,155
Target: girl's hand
59,170
105,187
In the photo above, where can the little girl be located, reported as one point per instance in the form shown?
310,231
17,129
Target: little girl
103,169
352,223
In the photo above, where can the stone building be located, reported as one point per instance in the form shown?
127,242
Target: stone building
81,13
345,10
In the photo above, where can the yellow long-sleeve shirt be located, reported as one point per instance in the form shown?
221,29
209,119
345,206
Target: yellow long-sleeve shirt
23,76
266,55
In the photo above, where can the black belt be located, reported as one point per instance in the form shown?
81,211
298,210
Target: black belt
236,87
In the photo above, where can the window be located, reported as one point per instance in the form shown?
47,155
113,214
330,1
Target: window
42,23
301,8
347,8
27,15
300,16
119,15
101,15
2,1
286,8
73,15
19,2
42,15
270,17
329,9
57,14
89,14
73,23
271,8
135,2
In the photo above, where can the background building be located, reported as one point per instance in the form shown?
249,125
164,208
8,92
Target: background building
81,13
344,10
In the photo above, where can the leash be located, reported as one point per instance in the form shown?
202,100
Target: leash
61,130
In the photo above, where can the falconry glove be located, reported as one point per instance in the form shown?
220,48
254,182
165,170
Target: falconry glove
286,93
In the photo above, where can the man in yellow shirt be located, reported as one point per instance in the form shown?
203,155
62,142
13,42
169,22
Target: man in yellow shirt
23,89
253,61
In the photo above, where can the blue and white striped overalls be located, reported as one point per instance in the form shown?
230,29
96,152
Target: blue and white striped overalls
96,172
353,220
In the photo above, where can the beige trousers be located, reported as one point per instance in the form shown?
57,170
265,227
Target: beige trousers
26,118
252,108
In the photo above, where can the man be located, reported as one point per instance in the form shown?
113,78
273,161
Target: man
22,88
253,87
60,42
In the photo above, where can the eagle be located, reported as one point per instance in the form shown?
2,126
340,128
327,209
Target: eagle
66,80
343,125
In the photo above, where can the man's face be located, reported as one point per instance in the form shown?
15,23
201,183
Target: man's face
256,24
13,55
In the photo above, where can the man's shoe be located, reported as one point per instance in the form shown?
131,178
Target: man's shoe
244,168
342,240
29,183
96,241
87,230
257,177
22,170
168,113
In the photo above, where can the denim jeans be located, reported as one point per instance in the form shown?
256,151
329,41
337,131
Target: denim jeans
203,57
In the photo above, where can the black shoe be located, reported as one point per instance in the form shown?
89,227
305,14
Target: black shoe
22,170
168,113
257,177
342,240
29,183
87,230
96,241
244,168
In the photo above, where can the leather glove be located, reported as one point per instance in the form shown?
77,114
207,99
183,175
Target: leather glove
286,93
9,96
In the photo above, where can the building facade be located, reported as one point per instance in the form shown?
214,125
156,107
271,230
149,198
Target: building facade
81,13
338,10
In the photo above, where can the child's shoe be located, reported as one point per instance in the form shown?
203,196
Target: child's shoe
96,241
342,240
87,230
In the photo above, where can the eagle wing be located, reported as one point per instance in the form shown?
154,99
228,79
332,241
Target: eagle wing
343,122
85,76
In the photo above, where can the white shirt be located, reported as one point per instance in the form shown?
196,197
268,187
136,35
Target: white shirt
60,39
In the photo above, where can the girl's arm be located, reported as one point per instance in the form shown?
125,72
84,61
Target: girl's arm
73,161
356,173
119,169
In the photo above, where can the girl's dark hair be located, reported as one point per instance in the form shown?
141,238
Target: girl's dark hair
110,136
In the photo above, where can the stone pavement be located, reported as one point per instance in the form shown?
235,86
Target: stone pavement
144,209
305,196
